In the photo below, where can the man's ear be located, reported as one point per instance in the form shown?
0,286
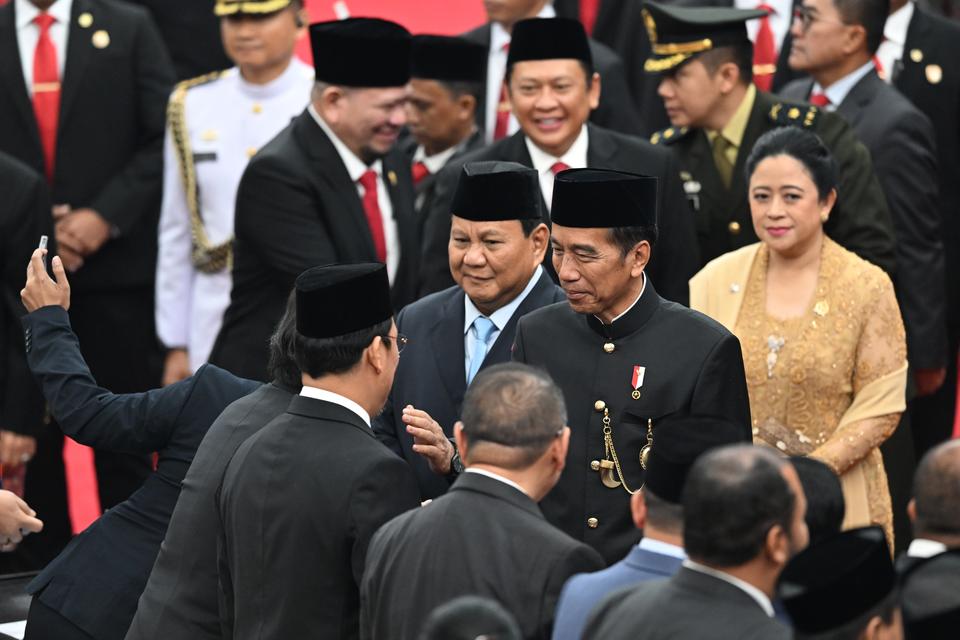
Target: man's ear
777,545
912,511
639,257
638,509
466,107
461,439
375,354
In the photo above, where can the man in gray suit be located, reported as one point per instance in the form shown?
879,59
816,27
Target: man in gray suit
834,41
743,519
656,511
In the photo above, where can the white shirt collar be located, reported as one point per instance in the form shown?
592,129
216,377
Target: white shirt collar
923,548
663,548
762,599
291,77
26,12
437,161
895,29
336,398
354,165
499,35
501,316
490,474
837,92
575,157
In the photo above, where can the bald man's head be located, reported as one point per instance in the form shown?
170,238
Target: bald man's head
936,493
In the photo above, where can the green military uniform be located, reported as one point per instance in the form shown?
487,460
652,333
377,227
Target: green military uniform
860,220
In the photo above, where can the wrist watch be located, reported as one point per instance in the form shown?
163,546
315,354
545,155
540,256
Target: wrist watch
456,464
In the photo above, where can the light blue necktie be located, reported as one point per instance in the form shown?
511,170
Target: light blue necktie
484,328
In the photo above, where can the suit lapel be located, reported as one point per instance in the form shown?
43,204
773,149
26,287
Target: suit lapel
703,169
601,148
322,410
515,150
399,183
538,297
446,338
79,50
854,106
918,37
756,126
329,168
11,70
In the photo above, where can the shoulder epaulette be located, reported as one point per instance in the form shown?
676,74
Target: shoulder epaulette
669,135
794,114
205,256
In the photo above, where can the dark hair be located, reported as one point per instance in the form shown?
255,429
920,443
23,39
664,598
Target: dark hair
586,66
458,88
626,238
665,516
514,405
825,504
470,617
529,224
282,367
936,490
803,146
740,54
322,356
869,14
733,496
885,610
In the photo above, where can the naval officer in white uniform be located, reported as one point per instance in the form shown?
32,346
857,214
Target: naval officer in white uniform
215,124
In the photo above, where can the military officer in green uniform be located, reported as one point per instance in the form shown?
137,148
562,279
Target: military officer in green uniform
624,357
704,59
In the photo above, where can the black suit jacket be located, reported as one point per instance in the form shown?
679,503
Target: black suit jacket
431,373
933,85
692,366
192,34
901,143
860,221
688,605
95,582
675,257
299,503
297,208
110,135
24,217
616,110
180,599
483,538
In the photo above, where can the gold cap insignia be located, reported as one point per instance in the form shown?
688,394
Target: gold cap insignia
916,55
100,39
934,73
651,26
793,113
85,20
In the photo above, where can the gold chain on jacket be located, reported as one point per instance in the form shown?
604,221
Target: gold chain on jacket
205,257
610,452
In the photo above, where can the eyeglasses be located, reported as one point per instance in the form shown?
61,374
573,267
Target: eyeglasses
400,339
807,17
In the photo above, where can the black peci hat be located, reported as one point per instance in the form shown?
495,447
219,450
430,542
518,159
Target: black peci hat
361,52
548,39
603,198
335,300
448,59
837,580
677,443
679,33
494,190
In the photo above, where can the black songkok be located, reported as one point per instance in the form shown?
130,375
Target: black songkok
361,52
679,33
548,39
338,299
677,443
493,191
837,580
930,596
448,59
602,198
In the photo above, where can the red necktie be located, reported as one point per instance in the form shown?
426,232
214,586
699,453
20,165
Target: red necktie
503,108
764,52
558,166
46,91
819,100
588,14
879,66
419,172
371,206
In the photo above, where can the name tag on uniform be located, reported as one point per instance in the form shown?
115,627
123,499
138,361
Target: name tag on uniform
208,156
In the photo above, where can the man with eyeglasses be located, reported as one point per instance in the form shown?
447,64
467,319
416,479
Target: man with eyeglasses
330,188
486,536
301,499
497,241
705,62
